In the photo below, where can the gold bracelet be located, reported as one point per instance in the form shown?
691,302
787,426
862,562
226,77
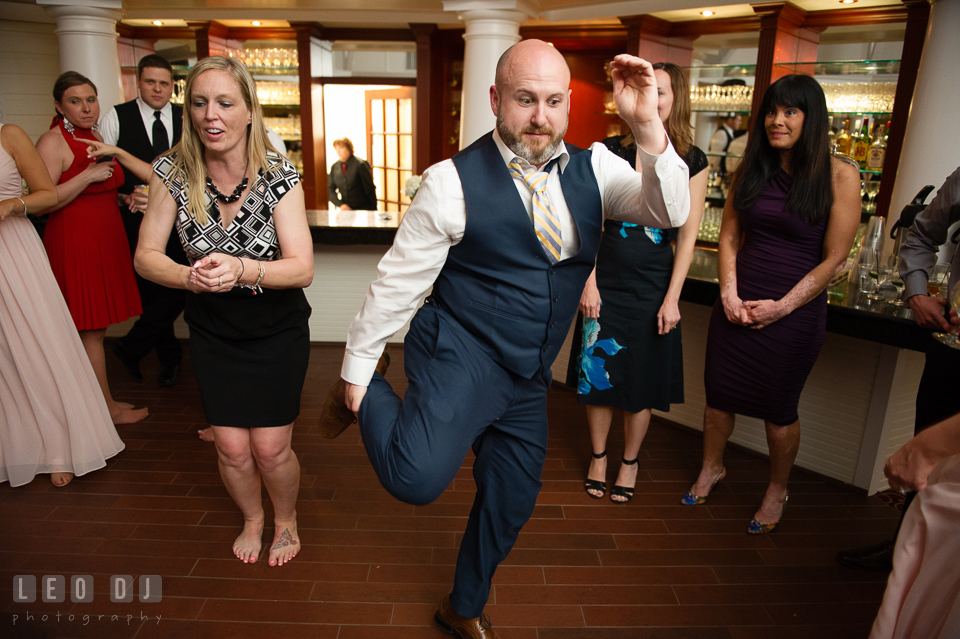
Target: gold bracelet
259,277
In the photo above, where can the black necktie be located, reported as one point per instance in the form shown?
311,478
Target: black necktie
160,141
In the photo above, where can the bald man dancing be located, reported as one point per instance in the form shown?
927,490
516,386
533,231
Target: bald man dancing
506,233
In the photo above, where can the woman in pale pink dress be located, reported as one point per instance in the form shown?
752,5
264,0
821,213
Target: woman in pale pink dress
922,599
53,418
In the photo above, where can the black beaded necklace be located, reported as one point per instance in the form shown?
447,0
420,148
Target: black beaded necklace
233,197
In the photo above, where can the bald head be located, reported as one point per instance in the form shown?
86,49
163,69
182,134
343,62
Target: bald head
530,56
531,99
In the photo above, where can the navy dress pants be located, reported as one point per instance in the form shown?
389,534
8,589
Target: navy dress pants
459,398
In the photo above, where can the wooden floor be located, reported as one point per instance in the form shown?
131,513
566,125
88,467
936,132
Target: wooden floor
374,567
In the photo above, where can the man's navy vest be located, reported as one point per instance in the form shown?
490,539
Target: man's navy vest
133,137
497,282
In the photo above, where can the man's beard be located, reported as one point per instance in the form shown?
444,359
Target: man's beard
515,142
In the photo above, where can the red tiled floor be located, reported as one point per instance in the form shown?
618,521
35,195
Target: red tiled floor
372,567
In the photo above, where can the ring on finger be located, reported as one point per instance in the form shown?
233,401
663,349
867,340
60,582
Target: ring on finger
219,281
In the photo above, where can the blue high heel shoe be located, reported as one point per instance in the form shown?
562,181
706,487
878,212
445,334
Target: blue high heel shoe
756,528
695,500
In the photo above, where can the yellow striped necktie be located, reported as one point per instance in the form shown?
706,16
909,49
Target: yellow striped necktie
546,222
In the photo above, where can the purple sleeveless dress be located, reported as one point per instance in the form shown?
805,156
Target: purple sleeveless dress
761,372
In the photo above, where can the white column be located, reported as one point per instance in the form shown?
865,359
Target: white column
88,43
931,146
492,27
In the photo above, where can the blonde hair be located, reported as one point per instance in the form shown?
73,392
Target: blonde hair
678,122
188,163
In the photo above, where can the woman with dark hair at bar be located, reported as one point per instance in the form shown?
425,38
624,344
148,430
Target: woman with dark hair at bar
84,238
638,281
788,225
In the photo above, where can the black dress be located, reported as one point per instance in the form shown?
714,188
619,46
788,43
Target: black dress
250,352
624,362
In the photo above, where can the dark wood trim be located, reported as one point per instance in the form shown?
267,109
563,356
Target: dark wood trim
918,13
400,82
711,26
860,15
778,21
313,147
426,150
600,31
262,33
368,35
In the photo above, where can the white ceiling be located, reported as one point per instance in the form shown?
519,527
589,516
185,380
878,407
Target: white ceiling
400,13
396,13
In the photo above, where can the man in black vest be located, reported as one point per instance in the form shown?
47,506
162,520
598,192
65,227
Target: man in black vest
506,233
146,127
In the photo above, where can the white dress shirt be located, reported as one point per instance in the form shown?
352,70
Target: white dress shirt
437,218
110,123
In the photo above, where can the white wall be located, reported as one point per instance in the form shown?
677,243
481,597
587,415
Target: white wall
31,64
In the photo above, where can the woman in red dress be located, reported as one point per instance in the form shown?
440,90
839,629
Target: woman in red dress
84,237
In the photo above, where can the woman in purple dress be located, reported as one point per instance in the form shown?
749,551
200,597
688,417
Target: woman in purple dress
787,228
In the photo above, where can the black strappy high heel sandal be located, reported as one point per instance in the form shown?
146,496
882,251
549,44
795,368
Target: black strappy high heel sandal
623,491
596,484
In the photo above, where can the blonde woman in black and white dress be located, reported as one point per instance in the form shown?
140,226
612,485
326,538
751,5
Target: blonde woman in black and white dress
238,208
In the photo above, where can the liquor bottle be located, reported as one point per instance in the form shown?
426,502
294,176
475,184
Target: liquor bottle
831,133
861,147
878,151
844,141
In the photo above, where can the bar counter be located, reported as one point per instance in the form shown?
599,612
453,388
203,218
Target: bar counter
857,407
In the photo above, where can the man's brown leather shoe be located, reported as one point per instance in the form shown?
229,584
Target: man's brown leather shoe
476,628
336,417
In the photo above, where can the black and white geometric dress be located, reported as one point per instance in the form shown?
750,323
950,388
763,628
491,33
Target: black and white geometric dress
250,352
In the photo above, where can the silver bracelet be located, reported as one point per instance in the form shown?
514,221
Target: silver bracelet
24,206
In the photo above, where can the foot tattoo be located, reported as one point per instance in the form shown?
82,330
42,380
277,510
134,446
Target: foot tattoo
285,547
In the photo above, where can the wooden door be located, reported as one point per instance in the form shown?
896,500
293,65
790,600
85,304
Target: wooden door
391,144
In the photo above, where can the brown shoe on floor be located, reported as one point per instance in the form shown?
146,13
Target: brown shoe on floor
336,417
454,624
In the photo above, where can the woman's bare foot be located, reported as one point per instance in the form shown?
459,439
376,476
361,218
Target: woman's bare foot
248,544
206,434
286,543
121,415
124,405
61,479
597,472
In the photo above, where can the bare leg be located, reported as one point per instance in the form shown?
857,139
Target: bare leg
783,442
635,427
120,413
242,480
598,419
717,428
280,470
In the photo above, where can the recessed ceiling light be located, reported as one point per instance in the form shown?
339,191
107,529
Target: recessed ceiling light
255,23
707,13
157,23
847,1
